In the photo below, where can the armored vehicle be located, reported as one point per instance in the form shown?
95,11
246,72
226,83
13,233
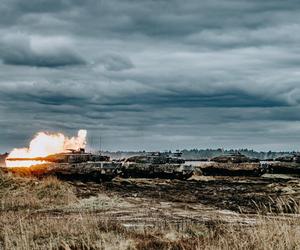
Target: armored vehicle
234,158
289,158
288,164
233,165
71,165
156,165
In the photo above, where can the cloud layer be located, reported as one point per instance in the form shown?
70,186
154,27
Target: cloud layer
152,74
38,51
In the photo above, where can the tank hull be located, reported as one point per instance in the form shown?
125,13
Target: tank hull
277,167
232,169
96,171
165,171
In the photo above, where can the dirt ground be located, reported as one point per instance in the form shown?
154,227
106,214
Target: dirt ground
140,213
139,202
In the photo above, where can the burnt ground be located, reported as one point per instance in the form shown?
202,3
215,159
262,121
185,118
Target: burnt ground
202,205
246,194
135,201
155,203
229,199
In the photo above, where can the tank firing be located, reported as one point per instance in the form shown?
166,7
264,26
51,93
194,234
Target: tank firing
60,155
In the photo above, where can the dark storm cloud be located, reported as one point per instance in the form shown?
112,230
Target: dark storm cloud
152,74
23,50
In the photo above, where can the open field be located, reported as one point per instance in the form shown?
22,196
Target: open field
201,213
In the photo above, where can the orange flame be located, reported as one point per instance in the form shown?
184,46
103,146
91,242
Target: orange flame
44,144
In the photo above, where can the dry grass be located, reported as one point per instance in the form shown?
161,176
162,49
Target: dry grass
280,205
29,220
86,231
18,193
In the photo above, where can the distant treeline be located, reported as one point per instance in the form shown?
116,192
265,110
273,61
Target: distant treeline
208,153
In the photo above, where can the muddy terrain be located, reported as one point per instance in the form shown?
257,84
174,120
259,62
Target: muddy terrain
198,199
144,213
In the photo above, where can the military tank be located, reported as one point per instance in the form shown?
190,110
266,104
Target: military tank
234,158
287,164
289,158
70,165
235,164
156,165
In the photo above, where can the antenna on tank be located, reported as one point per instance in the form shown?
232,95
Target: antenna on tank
90,142
100,144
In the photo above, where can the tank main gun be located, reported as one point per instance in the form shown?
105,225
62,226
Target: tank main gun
75,156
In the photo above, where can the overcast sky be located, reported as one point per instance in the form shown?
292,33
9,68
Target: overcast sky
152,74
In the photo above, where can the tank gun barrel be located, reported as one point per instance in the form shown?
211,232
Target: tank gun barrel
50,158
65,158
27,159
